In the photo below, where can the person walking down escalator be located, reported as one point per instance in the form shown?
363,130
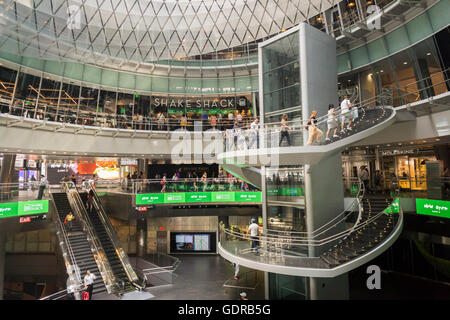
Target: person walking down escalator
90,201
68,223
89,283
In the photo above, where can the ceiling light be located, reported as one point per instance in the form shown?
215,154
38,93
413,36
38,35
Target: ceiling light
428,53
412,142
283,30
351,4
381,70
319,18
388,145
405,62
369,2
438,139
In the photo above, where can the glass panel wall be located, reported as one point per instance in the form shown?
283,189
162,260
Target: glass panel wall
281,74
26,96
7,81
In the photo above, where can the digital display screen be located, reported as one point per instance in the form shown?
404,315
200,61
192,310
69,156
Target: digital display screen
193,242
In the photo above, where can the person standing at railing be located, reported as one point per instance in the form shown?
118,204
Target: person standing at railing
235,133
253,229
93,180
42,185
345,114
164,183
331,122
73,179
89,283
314,132
284,130
254,134
204,181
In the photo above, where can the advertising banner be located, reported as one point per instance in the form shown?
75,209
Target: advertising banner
437,208
8,209
23,208
27,208
200,197
149,198
394,207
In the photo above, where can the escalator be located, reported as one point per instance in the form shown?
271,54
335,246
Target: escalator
108,247
77,241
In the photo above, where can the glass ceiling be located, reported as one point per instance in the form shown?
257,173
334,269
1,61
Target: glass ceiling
141,31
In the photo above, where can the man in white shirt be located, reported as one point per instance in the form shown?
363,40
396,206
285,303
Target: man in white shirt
89,283
42,184
253,228
345,113
254,133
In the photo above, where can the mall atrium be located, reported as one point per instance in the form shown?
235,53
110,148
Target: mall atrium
224,149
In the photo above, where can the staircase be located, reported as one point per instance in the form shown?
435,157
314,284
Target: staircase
79,243
367,118
108,247
367,237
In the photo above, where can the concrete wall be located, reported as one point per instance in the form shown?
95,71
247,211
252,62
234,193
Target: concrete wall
323,181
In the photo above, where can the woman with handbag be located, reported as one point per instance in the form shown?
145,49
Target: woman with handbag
314,132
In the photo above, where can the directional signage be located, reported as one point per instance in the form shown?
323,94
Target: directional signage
23,208
199,197
438,208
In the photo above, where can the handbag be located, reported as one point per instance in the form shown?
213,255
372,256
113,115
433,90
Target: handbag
85,295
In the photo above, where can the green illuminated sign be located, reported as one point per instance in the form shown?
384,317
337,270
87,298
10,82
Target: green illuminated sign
8,209
285,191
222,196
174,197
200,197
32,207
248,197
438,208
23,208
149,198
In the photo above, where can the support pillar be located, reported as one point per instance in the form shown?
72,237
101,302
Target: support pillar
141,235
2,263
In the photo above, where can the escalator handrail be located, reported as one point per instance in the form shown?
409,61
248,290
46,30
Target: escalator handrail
101,261
65,246
131,274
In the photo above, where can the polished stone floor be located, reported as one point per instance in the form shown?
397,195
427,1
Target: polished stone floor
202,277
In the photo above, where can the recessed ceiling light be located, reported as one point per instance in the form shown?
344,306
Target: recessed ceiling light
405,62
381,70
438,139
399,144
388,145
411,142
428,53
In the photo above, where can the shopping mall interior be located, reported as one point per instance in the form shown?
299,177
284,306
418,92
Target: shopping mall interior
224,150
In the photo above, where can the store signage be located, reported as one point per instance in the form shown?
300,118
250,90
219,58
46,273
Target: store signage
438,208
21,208
141,209
199,103
128,162
8,209
397,152
200,197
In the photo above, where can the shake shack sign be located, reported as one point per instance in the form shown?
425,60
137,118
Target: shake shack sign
199,103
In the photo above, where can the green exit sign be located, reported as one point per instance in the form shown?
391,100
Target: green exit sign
438,208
